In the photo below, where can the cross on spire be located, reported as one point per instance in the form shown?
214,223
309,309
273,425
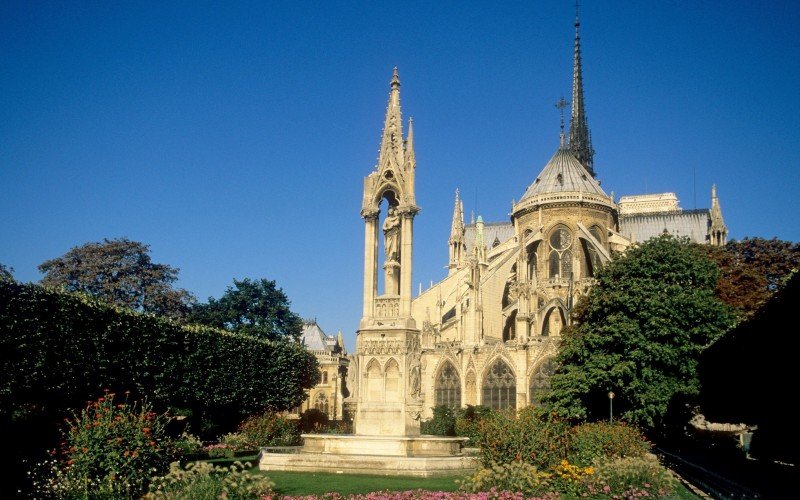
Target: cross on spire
562,104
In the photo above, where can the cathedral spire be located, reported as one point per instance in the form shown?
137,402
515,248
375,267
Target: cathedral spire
580,141
391,152
411,157
718,232
457,245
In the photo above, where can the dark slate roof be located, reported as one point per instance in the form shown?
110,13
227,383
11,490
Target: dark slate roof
642,227
563,174
501,231
314,338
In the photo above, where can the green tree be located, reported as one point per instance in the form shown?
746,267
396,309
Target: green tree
120,272
251,307
6,272
752,270
639,333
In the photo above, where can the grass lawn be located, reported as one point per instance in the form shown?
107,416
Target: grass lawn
318,483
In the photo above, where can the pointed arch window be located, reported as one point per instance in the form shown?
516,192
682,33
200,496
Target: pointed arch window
499,387
510,329
448,387
553,322
531,259
540,380
560,257
321,403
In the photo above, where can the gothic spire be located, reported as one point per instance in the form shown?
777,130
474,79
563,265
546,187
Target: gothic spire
391,153
457,227
718,231
580,141
457,245
411,157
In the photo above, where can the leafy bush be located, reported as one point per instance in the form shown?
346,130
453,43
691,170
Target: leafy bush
630,477
468,420
443,422
187,445
110,450
237,441
203,481
340,427
270,429
219,450
591,441
313,420
515,476
534,435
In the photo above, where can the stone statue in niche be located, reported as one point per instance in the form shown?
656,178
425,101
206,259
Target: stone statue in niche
391,232
415,377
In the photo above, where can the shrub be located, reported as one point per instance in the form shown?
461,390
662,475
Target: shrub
630,477
340,427
219,450
187,445
443,422
513,477
535,436
313,420
204,481
571,479
591,441
237,441
269,429
55,345
110,450
468,420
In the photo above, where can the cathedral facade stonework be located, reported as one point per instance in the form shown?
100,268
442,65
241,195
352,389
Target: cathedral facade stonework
487,334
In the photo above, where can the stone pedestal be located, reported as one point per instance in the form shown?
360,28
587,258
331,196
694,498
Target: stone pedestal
421,456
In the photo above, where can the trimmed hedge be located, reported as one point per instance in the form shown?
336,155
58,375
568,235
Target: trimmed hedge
58,350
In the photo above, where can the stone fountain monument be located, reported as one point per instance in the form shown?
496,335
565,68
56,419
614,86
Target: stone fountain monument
386,371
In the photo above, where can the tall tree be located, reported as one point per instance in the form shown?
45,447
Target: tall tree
252,307
6,272
752,270
639,333
120,272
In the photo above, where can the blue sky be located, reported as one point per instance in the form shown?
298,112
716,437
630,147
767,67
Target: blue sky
233,137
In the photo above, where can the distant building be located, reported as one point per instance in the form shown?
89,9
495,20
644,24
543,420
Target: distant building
330,352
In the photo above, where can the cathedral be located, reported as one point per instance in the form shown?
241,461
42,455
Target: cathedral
487,333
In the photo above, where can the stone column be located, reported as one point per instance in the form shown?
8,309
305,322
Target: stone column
407,227
370,263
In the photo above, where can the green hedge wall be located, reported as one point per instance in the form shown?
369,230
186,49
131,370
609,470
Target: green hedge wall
58,350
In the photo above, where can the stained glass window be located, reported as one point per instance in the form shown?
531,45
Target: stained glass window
321,403
540,380
500,387
448,387
560,258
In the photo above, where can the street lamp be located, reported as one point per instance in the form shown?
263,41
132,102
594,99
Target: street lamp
611,407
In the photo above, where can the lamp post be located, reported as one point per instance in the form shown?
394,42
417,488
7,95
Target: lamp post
611,407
